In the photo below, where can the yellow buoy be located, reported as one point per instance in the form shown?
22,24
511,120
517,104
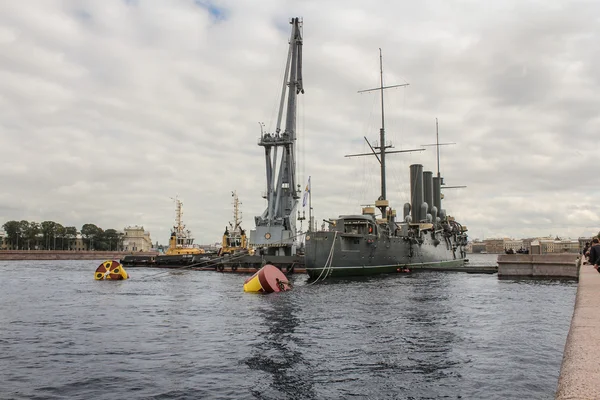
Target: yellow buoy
253,284
111,271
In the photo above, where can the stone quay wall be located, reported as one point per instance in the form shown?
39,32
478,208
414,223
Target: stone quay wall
562,265
580,370
68,255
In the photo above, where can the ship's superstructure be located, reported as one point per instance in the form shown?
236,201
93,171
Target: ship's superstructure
364,244
181,240
275,231
234,237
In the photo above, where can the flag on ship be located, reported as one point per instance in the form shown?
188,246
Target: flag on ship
306,192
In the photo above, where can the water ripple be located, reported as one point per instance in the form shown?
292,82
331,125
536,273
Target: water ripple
188,335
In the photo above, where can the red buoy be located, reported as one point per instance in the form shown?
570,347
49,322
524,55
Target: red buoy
268,279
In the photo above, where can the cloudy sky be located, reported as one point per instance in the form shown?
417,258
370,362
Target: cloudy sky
110,108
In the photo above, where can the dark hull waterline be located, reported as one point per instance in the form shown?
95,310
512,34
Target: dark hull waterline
337,253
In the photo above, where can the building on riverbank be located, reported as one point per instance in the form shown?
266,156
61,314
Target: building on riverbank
541,245
135,238
78,244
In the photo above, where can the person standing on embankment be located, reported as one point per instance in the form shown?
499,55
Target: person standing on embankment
595,253
586,252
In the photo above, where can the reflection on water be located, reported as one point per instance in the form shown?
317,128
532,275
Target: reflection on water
430,348
277,352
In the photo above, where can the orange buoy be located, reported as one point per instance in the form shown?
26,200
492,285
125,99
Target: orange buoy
268,279
110,270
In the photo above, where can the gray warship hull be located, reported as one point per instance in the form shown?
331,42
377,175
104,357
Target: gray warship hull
330,254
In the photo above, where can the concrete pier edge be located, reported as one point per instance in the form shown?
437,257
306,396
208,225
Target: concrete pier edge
580,371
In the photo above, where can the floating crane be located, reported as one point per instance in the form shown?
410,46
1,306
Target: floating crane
275,230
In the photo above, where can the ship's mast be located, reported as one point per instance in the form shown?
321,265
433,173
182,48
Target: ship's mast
437,147
382,130
276,227
178,215
437,144
382,145
237,218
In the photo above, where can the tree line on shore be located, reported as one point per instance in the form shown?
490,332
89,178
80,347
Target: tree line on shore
50,235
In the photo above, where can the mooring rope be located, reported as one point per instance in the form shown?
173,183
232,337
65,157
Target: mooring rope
210,263
328,263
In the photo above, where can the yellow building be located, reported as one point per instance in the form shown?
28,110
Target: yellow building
136,239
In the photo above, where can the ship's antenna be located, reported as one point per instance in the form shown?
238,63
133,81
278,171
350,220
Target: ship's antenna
437,145
382,145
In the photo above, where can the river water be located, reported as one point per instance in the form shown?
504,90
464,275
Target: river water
193,335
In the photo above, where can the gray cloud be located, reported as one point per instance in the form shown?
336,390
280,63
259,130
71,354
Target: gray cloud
108,109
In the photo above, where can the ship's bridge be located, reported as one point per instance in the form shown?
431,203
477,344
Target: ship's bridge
356,224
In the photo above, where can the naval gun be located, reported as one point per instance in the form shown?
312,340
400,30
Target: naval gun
275,231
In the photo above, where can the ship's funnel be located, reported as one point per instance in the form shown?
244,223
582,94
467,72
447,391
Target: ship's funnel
442,215
437,193
424,207
406,210
428,189
416,191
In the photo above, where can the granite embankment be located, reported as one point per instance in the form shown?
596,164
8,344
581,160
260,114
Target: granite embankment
562,265
67,255
580,370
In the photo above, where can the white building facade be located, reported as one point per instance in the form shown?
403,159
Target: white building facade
135,238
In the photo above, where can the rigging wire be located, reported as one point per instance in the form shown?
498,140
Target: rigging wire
215,261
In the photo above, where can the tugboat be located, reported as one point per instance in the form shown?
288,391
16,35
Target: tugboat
181,250
367,244
234,239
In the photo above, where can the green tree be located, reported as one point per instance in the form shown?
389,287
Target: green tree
58,234
30,230
71,235
12,229
47,228
90,233
113,238
101,241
